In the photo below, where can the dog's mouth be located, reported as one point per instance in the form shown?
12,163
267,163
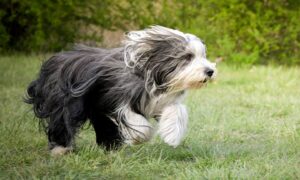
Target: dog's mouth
208,79
197,84
193,84
205,80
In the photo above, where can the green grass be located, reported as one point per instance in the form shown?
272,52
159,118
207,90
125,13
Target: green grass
245,125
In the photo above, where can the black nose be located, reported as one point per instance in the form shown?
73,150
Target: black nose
209,72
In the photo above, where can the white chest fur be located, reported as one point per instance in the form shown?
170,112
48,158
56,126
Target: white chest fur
155,106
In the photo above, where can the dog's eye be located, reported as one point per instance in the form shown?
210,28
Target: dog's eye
189,56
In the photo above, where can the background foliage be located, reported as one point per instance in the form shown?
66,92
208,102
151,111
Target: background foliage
239,31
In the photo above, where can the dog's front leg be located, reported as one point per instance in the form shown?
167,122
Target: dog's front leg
173,123
136,128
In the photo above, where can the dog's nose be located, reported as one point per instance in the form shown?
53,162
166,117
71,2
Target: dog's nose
209,72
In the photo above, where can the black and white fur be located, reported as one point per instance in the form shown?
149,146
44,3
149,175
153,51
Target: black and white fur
118,90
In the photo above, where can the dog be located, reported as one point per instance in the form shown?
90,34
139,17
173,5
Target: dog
118,90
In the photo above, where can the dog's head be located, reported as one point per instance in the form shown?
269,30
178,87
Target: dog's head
168,59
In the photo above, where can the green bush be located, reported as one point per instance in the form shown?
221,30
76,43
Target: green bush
47,25
239,31
245,31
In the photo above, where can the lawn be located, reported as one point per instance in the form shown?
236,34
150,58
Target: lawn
245,125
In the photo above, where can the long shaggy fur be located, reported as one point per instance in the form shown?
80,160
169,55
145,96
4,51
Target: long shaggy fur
119,89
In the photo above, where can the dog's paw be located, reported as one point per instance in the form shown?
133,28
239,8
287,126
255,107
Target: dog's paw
60,150
172,139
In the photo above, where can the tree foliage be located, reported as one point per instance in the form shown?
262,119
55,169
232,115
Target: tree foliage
35,25
240,31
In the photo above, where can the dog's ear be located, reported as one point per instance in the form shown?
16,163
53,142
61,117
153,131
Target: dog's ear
140,46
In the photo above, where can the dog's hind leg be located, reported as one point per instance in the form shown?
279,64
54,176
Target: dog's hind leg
63,126
107,132
59,137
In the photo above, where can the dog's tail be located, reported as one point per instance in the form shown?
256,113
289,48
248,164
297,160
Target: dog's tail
34,97
31,93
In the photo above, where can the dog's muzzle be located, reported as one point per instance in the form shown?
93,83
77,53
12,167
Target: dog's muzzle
209,72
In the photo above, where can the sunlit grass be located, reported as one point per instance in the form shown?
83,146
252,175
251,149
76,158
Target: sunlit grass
244,125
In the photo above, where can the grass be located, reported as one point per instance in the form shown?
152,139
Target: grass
246,125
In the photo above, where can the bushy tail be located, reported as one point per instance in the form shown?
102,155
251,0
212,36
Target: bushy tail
31,93
34,97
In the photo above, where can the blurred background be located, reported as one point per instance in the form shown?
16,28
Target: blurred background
245,125
236,31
